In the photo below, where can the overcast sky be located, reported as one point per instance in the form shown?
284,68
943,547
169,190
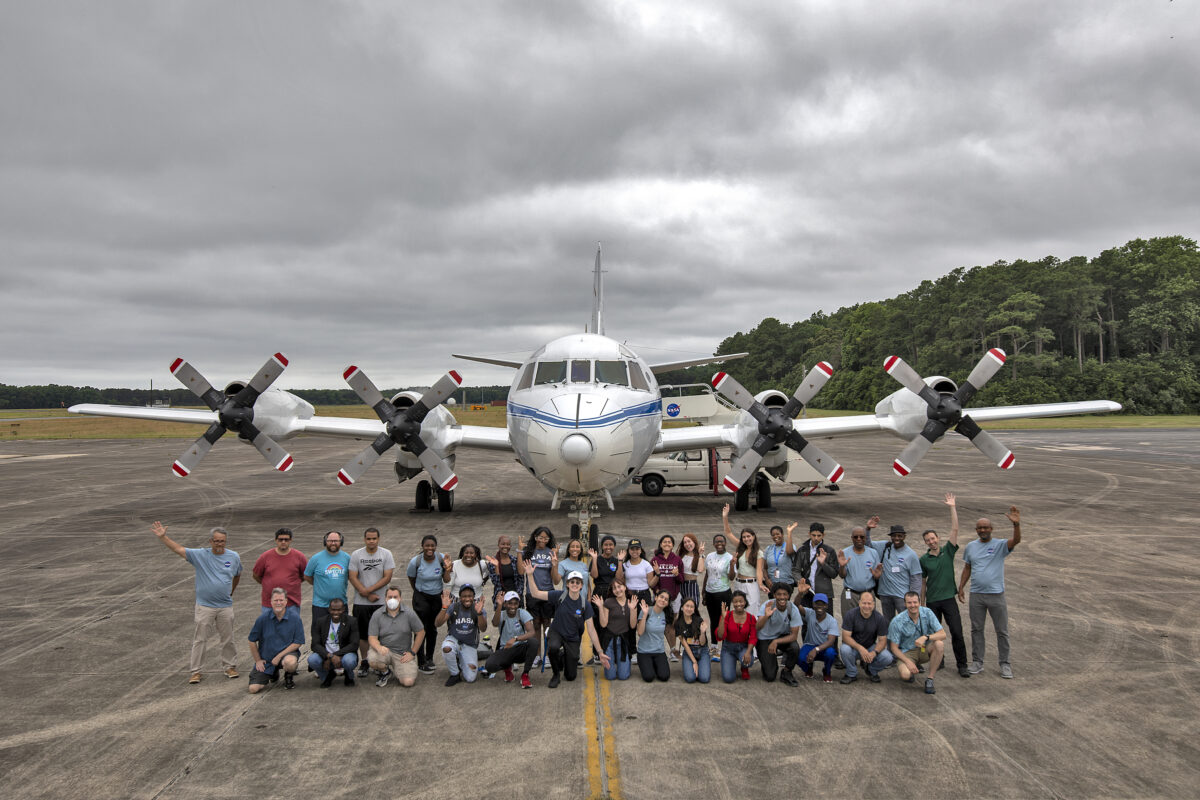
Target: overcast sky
384,183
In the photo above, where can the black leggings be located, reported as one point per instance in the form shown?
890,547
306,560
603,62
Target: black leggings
503,659
427,606
654,666
712,603
564,655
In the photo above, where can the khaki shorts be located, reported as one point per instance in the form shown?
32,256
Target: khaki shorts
386,660
917,656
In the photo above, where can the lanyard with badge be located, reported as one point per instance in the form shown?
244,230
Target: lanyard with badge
779,551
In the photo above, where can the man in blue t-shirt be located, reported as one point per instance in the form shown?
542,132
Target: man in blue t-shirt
329,573
983,566
915,637
217,574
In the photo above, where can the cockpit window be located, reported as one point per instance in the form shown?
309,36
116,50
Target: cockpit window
581,371
526,379
551,372
612,372
638,379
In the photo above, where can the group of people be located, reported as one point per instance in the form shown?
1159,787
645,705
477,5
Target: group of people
771,603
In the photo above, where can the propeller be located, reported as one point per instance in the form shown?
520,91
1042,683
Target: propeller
946,410
234,413
775,427
400,428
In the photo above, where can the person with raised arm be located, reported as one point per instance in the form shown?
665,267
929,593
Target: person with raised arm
572,617
983,568
738,635
464,620
504,570
749,561
938,587
517,639
617,614
654,628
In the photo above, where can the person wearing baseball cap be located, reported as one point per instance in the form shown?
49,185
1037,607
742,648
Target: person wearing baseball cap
516,639
820,638
572,617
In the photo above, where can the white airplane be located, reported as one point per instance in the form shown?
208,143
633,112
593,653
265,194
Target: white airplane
584,414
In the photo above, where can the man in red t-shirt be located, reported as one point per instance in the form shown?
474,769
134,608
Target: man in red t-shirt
282,567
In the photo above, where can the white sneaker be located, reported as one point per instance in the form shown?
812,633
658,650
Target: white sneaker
673,657
633,659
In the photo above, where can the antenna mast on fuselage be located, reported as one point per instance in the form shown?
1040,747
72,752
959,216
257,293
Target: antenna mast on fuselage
597,297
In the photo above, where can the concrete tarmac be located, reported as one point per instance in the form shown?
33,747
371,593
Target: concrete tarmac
1102,596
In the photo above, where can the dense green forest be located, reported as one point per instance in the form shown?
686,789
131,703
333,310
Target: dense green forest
1122,326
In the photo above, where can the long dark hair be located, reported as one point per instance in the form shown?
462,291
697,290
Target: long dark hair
695,550
531,545
751,559
658,551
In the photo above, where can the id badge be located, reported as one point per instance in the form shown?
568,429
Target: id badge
848,597
776,574
895,569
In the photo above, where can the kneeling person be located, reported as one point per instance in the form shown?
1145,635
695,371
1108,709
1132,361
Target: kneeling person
864,640
572,617
916,637
516,637
395,636
778,629
334,644
464,619
820,638
275,643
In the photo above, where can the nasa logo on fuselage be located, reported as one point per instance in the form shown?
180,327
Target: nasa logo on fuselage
673,410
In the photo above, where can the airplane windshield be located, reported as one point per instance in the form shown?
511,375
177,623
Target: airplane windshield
611,372
526,378
639,379
581,371
551,372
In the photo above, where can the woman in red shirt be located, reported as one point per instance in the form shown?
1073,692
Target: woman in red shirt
737,632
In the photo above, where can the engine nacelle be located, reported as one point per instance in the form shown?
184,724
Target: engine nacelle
433,431
772,398
405,400
276,411
906,412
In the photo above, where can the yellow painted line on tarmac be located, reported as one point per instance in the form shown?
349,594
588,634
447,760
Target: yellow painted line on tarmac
604,782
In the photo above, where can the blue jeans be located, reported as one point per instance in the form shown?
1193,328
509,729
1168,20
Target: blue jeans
826,656
461,659
703,670
731,654
618,656
850,658
349,662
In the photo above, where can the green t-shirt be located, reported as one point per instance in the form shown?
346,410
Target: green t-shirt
939,574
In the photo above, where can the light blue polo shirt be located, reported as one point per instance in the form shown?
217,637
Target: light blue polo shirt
987,565
214,575
780,623
904,632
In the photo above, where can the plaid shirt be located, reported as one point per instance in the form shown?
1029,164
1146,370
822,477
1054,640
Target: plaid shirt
494,577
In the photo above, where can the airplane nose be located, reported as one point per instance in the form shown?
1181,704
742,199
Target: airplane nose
577,450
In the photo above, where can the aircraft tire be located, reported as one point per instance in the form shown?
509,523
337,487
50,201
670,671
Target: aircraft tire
574,531
445,500
653,485
763,489
424,499
594,537
741,500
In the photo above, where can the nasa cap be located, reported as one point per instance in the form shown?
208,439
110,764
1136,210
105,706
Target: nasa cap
575,575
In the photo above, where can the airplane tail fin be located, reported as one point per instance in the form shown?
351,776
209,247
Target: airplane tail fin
597,325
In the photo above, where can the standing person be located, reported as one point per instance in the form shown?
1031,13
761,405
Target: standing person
692,634
778,629
669,568
396,635
574,563
542,553
718,569
283,565
504,571
864,640
938,587
606,567
464,620
275,641
217,574
371,570
983,566
691,552
572,618
859,567
653,629
816,565
778,555
617,614
334,644
901,571
916,638
640,576
425,576
467,570
329,573
749,562
517,640
738,634
820,638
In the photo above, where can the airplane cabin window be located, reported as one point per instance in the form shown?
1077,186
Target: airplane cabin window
581,371
526,378
612,372
551,372
638,378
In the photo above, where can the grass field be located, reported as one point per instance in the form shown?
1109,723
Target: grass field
18,424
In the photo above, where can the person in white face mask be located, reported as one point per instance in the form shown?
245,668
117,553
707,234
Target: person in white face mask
395,635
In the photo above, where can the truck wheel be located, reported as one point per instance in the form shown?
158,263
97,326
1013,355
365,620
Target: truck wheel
763,488
424,496
445,500
652,485
741,500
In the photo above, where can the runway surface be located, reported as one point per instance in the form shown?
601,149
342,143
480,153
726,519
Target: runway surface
1102,598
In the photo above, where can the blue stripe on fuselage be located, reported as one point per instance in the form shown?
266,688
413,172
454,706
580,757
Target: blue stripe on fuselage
644,410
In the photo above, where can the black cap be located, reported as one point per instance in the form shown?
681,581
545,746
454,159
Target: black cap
897,529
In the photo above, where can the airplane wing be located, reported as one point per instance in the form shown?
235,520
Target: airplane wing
693,362
195,416
996,413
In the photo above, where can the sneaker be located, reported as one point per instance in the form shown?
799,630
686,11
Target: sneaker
963,672
787,677
875,677
1005,671
838,664
975,668
846,680
716,658
827,678
673,657
633,659
289,680
929,686
525,682
745,674
452,680
328,681
195,678
364,669
231,672
348,678
553,684
508,675
427,668
808,673
383,678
